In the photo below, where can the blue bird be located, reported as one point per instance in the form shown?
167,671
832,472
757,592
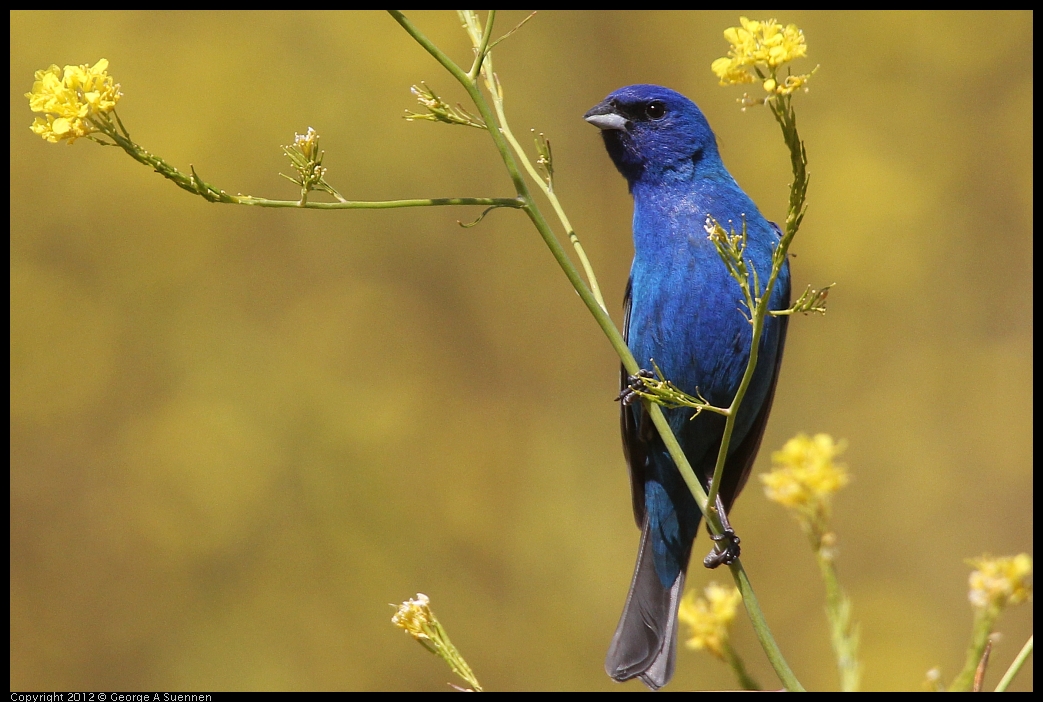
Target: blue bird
682,309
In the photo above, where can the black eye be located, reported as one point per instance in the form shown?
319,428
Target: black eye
655,109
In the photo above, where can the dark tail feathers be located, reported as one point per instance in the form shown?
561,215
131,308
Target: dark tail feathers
645,642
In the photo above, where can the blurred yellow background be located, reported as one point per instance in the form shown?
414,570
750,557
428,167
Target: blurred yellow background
237,434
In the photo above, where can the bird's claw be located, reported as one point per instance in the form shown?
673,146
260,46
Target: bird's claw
725,554
635,384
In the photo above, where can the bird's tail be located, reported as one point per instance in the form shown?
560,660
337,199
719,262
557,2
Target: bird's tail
645,642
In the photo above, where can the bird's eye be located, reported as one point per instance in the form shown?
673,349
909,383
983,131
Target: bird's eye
655,109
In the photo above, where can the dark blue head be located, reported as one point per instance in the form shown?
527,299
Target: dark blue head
652,132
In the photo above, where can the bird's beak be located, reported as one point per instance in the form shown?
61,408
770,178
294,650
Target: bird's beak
604,117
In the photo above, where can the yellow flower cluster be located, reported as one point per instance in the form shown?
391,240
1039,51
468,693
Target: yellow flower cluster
997,582
709,617
761,44
414,616
69,98
804,476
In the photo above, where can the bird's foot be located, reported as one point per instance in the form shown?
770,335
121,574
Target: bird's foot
635,384
725,549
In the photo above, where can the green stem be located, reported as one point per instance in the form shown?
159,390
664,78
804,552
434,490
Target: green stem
195,185
479,101
1015,667
984,619
760,628
735,662
798,189
449,653
497,133
483,45
733,409
496,91
513,203
838,611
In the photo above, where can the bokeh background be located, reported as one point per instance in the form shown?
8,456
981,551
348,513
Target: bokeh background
237,434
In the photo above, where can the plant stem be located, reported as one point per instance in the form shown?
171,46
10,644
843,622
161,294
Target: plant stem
746,681
195,185
984,619
760,628
513,203
496,91
481,51
798,190
1015,667
838,611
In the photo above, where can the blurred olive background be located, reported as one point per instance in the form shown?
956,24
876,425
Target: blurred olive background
237,434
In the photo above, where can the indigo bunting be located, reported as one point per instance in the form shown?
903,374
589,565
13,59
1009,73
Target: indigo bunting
684,312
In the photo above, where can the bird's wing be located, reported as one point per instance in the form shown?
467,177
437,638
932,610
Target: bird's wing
634,445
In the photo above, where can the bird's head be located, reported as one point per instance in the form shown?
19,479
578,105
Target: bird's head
653,132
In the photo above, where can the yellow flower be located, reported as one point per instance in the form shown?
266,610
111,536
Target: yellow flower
70,99
997,582
756,46
414,616
804,476
709,617
731,72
